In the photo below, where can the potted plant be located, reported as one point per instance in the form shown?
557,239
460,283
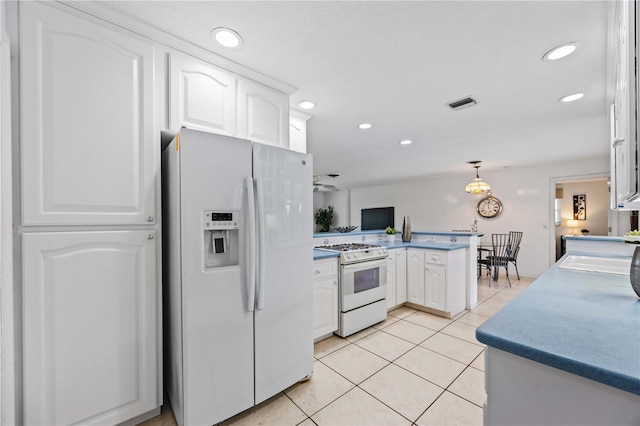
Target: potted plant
391,233
324,217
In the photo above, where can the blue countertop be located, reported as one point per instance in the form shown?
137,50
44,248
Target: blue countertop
584,323
423,245
323,254
593,238
382,231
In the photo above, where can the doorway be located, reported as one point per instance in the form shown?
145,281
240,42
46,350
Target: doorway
580,206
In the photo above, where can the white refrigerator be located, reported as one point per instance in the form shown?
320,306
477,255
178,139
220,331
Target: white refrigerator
238,308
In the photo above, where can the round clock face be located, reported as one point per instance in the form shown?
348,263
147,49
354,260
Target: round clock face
489,207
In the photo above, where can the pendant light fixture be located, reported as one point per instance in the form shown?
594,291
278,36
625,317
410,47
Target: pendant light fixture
477,185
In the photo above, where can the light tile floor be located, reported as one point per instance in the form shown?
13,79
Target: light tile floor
414,368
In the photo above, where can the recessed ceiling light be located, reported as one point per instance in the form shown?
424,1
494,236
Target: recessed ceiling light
571,98
405,142
306,105
364,126
227,37
561,51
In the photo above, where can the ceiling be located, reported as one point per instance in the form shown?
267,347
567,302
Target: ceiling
397,64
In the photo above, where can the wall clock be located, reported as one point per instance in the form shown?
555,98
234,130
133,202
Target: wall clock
489,206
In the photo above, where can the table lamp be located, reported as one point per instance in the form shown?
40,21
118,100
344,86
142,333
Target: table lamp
573,224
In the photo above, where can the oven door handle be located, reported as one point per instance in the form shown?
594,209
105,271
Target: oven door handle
367,264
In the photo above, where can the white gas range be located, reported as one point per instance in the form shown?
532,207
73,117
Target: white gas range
363,285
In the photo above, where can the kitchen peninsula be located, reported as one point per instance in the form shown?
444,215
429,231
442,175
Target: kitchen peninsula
419,239
434,272
565,351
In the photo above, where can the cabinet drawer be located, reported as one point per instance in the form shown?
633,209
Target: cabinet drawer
437,257
325,268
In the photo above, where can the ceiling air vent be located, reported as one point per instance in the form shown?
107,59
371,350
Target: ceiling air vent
462,103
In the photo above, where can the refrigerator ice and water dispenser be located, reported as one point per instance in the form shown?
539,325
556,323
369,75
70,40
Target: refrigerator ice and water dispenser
221,238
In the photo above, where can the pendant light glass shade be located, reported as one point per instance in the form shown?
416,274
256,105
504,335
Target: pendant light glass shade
477,185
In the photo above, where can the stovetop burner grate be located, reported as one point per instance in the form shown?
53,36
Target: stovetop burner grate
348,247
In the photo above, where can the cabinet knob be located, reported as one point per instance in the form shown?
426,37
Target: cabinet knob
149,218
150,237
317,271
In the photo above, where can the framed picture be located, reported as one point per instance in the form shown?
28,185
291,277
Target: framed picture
580,207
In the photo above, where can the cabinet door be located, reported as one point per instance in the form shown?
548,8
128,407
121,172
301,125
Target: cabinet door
263,114
415,276
90,327
201,96
325,306
435,287
298,133
625,142
89,153
391,280
401,276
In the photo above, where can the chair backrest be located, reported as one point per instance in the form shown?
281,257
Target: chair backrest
501,245
516,237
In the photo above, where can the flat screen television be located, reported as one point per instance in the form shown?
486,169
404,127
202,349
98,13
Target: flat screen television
377,218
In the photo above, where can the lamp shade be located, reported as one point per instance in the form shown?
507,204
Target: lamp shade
571,223
477,186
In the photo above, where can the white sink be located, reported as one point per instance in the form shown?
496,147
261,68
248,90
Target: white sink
607,265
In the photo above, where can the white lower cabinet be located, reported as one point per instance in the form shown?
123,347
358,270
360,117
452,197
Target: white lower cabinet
436,280
401,276
522,391
325,297
415,276
90,327
396,278
435,286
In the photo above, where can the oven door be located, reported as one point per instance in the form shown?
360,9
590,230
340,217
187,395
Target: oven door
363,283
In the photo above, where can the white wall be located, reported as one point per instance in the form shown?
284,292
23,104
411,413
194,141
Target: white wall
340,202
440,204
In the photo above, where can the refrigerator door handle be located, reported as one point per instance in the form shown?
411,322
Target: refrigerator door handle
250,251
261,242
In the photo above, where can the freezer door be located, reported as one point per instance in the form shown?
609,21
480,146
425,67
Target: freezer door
217,327
284,310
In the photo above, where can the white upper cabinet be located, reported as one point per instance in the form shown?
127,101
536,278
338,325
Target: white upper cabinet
201,96
263,114
86,121
625,182
90,331
298,130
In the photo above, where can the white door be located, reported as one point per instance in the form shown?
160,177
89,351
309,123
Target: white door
263,114
401,276
201,96
415,276
284,311
435,285
90,327
325,306
89,153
